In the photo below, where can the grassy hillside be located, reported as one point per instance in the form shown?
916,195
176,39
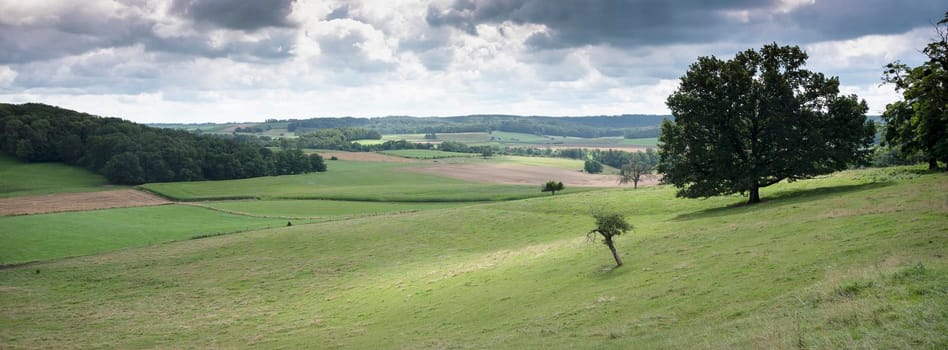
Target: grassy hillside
322,208
23,179
855,260
348,180
58,235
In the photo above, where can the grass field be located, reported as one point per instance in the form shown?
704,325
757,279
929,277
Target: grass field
321,208
562,163
504,137
23,179
51,236
854,260
348,180
428,154
515,139
470,138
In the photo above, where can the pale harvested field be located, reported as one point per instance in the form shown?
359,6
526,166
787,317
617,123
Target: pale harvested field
77,201
515,174
364,156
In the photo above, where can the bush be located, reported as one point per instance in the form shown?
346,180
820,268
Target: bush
593,167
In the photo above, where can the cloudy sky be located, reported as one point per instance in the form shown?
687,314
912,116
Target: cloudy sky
229,60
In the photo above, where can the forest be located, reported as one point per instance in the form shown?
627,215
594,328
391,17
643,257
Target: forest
130,153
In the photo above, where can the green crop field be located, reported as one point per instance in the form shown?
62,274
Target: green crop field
562,163
428,154
21,179
322,208
348,180
470,138
645,141
852,260
516,137
51,236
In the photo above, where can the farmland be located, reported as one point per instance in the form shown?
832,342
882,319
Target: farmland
52,236
851,260
20,179
321,209
427,154
348,180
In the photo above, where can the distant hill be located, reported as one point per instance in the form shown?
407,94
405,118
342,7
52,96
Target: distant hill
590,126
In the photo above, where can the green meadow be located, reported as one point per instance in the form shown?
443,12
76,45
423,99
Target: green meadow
52,236
427,154
22,179
470,138
322,208
851,260
348,180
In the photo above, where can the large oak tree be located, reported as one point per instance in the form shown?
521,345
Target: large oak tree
754,120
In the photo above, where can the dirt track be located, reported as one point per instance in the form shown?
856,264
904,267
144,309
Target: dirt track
515,174
77,201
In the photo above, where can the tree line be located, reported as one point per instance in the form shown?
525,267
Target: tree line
130,153
630,126
337,138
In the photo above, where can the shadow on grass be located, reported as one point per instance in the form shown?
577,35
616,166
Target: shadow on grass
608,272
779,199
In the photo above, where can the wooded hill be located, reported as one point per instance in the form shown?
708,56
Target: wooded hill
130,153
632,126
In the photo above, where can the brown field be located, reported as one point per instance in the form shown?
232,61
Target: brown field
364,156
77,201
516,174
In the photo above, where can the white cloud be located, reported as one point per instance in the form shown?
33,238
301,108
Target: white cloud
7,76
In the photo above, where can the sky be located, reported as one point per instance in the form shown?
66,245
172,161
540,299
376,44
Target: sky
189,61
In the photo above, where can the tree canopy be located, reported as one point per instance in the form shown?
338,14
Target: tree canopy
634,170
129,153
919,122
552,187
757,119
609,225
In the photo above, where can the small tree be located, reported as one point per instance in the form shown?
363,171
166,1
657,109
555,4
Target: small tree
633,171
552,187
609,225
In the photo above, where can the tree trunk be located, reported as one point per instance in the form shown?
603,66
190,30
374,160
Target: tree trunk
635,186
615,254
754,195
932,163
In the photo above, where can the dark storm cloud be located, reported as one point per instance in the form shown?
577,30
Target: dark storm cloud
80,34
236,14
278,45
67,36
631,23
846,19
